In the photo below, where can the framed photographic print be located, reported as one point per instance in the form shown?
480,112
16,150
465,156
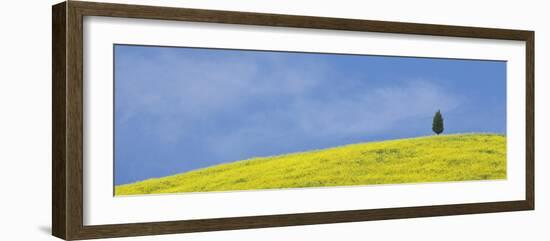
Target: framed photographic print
171,120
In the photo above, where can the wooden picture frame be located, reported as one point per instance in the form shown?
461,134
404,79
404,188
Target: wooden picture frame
67,150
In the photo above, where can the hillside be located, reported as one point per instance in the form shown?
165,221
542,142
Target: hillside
424,159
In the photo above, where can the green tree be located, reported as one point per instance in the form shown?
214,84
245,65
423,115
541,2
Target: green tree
437,124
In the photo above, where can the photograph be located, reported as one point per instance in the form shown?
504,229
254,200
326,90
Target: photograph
189,119
170,118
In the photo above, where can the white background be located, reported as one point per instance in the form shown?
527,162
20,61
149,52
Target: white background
25,122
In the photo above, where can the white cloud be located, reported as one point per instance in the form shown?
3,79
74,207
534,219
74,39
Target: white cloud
201,90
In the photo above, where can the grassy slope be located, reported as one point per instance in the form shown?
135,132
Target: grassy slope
424,159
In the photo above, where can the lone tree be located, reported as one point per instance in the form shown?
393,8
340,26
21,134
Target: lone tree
437,124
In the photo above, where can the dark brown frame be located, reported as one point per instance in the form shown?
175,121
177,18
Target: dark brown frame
67,138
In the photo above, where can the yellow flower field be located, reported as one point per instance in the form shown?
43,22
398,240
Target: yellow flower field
443,158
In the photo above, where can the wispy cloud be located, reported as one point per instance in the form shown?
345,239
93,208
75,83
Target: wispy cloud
260,100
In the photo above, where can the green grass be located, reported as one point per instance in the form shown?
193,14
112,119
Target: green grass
425,159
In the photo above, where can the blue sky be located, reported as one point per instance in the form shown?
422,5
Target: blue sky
179,109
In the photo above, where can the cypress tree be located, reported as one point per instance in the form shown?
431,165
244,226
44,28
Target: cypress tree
437,124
